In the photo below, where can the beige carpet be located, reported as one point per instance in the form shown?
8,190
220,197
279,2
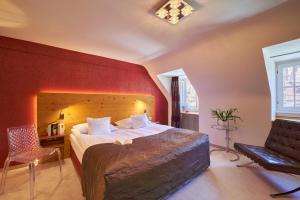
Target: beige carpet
222,181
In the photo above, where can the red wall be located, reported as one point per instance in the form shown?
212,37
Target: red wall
29,68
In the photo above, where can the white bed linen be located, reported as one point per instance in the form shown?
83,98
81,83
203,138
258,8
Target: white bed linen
76,147
80,142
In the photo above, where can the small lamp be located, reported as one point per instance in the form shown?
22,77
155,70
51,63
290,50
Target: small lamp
61,115
61,126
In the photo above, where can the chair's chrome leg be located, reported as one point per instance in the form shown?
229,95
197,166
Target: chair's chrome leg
285,193
234,153
216,149
227,150
60,162
31,179
246,164
4,173
33,173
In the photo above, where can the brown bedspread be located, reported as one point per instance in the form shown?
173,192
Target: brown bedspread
149,168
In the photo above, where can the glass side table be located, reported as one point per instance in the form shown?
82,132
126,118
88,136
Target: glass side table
227,128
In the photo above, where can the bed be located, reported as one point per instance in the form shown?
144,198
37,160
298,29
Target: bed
160,160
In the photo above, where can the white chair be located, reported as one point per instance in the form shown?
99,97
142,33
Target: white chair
24,147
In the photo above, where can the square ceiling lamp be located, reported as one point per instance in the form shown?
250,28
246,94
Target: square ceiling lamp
174,10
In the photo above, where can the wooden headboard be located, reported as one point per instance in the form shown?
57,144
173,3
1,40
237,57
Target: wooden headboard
77,107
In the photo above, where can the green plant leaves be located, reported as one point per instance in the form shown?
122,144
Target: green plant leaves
225,115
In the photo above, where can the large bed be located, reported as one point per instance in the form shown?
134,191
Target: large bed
160,160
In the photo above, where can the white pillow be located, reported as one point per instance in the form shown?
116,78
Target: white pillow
125,123
83,128
139,121
144,115
98,126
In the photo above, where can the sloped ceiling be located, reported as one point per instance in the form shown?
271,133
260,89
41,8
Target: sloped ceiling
125,30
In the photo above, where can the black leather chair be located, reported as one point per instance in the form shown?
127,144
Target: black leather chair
281,151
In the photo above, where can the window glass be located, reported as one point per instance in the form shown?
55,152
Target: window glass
288,87
297,76
288,77
288,97
297,96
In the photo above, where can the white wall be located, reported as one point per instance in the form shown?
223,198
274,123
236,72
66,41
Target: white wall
166,82
227,69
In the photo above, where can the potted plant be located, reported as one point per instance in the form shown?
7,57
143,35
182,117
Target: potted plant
225,116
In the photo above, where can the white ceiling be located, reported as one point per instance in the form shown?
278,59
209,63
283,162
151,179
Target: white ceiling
122,29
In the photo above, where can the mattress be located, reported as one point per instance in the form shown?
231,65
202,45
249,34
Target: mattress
80,142
79,151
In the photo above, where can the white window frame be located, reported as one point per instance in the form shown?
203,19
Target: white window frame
280,109
182,87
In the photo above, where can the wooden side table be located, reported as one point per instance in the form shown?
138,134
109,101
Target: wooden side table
54,141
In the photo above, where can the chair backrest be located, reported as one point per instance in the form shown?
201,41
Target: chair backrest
22,139
284,138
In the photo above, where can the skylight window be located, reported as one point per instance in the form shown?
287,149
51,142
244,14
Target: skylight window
282,66
189,101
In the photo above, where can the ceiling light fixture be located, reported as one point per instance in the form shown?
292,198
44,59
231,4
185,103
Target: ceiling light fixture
174,10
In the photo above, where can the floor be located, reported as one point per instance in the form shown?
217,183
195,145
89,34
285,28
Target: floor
222,181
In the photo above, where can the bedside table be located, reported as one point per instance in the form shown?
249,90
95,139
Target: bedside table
54,141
